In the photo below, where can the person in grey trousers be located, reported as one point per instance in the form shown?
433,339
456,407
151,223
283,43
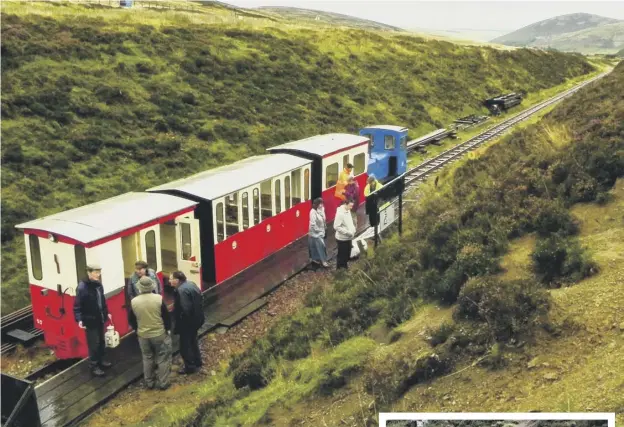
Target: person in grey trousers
151,320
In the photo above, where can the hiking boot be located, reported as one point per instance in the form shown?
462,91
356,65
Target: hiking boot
105,365
184,371
164,387
98,372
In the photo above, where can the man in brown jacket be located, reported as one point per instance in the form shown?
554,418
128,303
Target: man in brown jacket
150,318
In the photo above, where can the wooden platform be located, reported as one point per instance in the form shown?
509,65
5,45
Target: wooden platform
73,394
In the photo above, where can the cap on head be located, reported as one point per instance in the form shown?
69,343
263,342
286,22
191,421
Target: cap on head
93,267
146,285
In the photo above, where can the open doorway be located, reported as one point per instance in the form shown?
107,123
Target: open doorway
169,256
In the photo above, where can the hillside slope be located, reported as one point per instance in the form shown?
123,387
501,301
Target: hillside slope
473,309
578,32
336,19
98,102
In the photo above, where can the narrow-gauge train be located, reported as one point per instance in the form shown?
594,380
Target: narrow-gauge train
212,225
503,103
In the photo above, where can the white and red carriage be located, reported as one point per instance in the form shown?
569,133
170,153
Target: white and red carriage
212,226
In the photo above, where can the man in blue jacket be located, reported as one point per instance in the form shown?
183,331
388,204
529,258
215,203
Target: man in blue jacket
189,317
91,313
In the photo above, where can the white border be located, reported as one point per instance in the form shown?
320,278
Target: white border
496,416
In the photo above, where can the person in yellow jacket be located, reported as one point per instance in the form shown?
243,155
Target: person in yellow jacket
372,185
343,180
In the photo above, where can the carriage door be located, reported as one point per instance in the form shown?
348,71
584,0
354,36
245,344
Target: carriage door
187,244
150,247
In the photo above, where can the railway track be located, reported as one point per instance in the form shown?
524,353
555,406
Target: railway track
21,319
419,174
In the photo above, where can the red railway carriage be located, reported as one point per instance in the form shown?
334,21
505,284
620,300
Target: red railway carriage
330,154
114,233
247,211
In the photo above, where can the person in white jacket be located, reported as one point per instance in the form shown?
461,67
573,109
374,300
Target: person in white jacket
345,232
316,234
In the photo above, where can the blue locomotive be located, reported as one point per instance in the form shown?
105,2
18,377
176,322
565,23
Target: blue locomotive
387,151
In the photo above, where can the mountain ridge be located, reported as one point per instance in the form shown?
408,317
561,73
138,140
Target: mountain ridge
576,32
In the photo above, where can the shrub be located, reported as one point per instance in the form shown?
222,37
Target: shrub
510,309
558,260
440,334
253,373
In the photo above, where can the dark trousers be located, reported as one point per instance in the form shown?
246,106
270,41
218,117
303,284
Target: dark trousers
189,349
96,344
344,253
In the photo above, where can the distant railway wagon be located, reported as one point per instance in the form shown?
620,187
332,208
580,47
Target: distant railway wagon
503,103
211,225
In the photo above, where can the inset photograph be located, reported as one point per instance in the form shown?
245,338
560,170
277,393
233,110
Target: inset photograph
491,423
530,419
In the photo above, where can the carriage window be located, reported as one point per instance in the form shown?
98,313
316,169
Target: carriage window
404,142
359,164
389,142
306,184
265,199
278,197
245,200
256,206
81,261
150,249
371,143
231,214
345,161
296,186
220,222
331,175
185,235
35,257
287,191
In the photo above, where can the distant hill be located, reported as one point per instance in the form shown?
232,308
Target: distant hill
621,53
326,17
577,32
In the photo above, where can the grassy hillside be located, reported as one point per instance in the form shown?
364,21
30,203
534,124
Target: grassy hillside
504,295
603,39
543,32
99,101
505,240
321,17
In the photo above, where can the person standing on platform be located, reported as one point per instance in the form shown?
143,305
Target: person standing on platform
316,233
189,317
91,313
372,185
352,192
345,232
141,269
343,180
150,319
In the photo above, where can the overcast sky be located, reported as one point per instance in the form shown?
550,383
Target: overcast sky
498,15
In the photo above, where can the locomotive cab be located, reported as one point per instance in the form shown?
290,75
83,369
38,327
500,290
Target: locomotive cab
387,151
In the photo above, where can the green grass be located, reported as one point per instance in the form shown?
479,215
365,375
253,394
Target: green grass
99,101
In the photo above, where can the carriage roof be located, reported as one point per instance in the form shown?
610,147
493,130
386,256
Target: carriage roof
323,145
108,217
224,180
388,127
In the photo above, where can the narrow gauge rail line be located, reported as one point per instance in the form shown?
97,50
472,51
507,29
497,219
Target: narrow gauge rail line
19,319
420,173
59,393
